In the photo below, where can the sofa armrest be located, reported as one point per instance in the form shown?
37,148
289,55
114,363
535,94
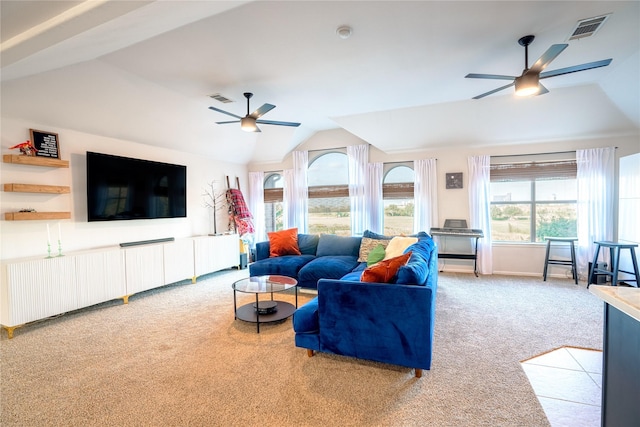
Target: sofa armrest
262,250
388,323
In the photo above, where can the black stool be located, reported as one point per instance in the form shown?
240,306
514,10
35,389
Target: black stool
614,253
571,262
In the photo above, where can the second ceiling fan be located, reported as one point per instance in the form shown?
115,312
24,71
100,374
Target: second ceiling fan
528,83
249,122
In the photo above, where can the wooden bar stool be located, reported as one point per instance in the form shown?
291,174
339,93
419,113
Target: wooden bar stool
572,262
614,253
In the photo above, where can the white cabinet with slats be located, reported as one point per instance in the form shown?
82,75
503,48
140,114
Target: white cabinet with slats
36,288
215,253
144,267
178,260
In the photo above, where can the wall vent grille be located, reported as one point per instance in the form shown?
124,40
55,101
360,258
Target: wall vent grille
587,27
221,98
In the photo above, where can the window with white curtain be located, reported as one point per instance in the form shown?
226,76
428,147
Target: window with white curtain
329,205
531,200
273,208
397,193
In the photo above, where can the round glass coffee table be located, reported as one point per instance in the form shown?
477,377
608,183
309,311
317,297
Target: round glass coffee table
264,311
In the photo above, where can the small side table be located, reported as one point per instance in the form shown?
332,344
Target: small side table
614,254
572,262
264,311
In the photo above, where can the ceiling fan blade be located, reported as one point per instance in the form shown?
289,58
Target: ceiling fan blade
262,111
493,91
489,76
271,122
224,123
547,57
543,89
224,112
576,68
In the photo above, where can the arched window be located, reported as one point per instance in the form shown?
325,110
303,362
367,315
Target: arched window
397,193
273,209
328,181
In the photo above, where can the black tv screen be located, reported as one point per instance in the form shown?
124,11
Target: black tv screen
122,188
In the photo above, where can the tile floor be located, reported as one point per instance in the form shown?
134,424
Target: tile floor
568,384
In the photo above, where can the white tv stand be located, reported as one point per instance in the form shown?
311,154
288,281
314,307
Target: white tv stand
36,288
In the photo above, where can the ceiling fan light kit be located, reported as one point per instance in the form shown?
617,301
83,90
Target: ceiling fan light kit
248,124
528,83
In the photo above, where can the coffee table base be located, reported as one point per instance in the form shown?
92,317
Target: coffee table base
248,313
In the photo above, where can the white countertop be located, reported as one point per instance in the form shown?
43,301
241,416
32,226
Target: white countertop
623,298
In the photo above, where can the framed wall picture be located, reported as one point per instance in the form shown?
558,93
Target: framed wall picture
454,180
46,143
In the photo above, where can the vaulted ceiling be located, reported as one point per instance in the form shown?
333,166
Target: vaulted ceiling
143,71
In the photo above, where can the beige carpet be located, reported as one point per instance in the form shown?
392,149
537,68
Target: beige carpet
175,356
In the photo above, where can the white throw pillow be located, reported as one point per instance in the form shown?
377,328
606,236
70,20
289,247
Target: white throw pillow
397,246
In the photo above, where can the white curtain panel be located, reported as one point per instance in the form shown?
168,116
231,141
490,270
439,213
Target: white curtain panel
374,204
256,205
358,157
288,213
595,176
479,212
295,194
425,194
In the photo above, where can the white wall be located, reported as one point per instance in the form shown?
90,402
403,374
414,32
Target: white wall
29,238
524,259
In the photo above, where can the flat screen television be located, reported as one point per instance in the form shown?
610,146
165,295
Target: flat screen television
122,188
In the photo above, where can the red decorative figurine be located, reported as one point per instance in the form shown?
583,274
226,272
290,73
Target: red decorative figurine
26,148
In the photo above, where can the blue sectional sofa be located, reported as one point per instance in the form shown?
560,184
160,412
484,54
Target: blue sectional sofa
327,256
384,322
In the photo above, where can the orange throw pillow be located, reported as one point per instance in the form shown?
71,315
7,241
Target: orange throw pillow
384,271
283,242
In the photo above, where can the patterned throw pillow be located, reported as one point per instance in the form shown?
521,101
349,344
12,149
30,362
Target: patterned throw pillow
376,255
397,246
367,245
384,271
283,242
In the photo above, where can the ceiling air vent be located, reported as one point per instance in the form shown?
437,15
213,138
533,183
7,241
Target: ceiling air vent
588,27
221,98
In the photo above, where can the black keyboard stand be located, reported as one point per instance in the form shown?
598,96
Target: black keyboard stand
465,233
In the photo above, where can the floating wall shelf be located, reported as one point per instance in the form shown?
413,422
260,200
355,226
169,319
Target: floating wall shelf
36,188
34,161
23,216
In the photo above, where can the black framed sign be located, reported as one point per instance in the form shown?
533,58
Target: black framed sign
454,180
46,143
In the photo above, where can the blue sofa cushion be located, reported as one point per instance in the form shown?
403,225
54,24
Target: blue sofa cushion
354,275
371,235
424,246
286,265
305,318
414,272
308,243
326,267
262,250
330,244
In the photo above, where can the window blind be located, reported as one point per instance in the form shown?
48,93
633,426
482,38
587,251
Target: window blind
533,171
